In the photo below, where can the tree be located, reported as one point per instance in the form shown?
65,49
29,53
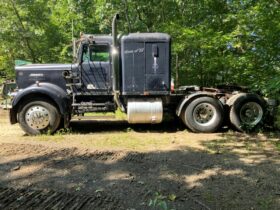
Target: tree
214,41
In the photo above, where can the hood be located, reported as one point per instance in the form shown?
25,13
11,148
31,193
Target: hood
46,67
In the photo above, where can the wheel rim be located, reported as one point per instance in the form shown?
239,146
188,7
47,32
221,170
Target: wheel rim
204,114
251,113
37,117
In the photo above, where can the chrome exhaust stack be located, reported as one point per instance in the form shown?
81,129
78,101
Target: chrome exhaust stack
115,63
115,55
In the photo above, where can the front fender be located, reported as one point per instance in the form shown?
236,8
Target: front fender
47,90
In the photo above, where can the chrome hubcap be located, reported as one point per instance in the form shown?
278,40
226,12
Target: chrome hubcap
37,117
204,114
251,113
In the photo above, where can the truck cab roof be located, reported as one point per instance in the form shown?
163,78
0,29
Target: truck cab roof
99,39
147,37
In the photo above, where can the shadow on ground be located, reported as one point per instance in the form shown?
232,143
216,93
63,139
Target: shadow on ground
89,126
230,173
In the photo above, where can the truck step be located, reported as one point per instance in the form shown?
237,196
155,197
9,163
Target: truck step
91,93
94,118
83,107
89,104
72,77
73,84
82,110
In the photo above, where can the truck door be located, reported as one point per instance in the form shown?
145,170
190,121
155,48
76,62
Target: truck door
157,67
96,69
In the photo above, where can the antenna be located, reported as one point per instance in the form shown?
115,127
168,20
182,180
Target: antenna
73,41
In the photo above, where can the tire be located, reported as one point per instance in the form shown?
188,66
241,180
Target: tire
247,112
39,117
204,114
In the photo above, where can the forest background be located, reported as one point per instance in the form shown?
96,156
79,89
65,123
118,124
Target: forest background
213,41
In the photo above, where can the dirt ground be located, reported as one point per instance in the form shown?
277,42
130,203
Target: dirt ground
101,165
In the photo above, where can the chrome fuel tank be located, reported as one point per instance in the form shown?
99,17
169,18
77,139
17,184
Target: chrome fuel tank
144,111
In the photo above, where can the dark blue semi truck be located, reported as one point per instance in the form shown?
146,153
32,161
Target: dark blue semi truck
131,73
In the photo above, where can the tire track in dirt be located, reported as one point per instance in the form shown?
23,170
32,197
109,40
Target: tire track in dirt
11,198
10,149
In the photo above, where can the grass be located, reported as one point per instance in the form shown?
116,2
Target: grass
106,140
265,203
217,146
123,140
128,139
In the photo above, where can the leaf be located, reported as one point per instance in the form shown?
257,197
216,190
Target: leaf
172,197
163,205
99,190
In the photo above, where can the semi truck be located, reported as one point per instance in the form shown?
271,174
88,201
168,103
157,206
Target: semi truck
131,73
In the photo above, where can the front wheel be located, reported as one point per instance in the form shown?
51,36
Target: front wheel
204,114
39,117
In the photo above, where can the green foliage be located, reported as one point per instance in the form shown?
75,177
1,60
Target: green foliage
214,41
265,203
120,115
159,201
63,131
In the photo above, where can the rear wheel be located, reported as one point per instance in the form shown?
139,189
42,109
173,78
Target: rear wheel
39,117
203,114
247,112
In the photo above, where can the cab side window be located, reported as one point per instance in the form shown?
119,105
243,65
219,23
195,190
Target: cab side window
99,53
